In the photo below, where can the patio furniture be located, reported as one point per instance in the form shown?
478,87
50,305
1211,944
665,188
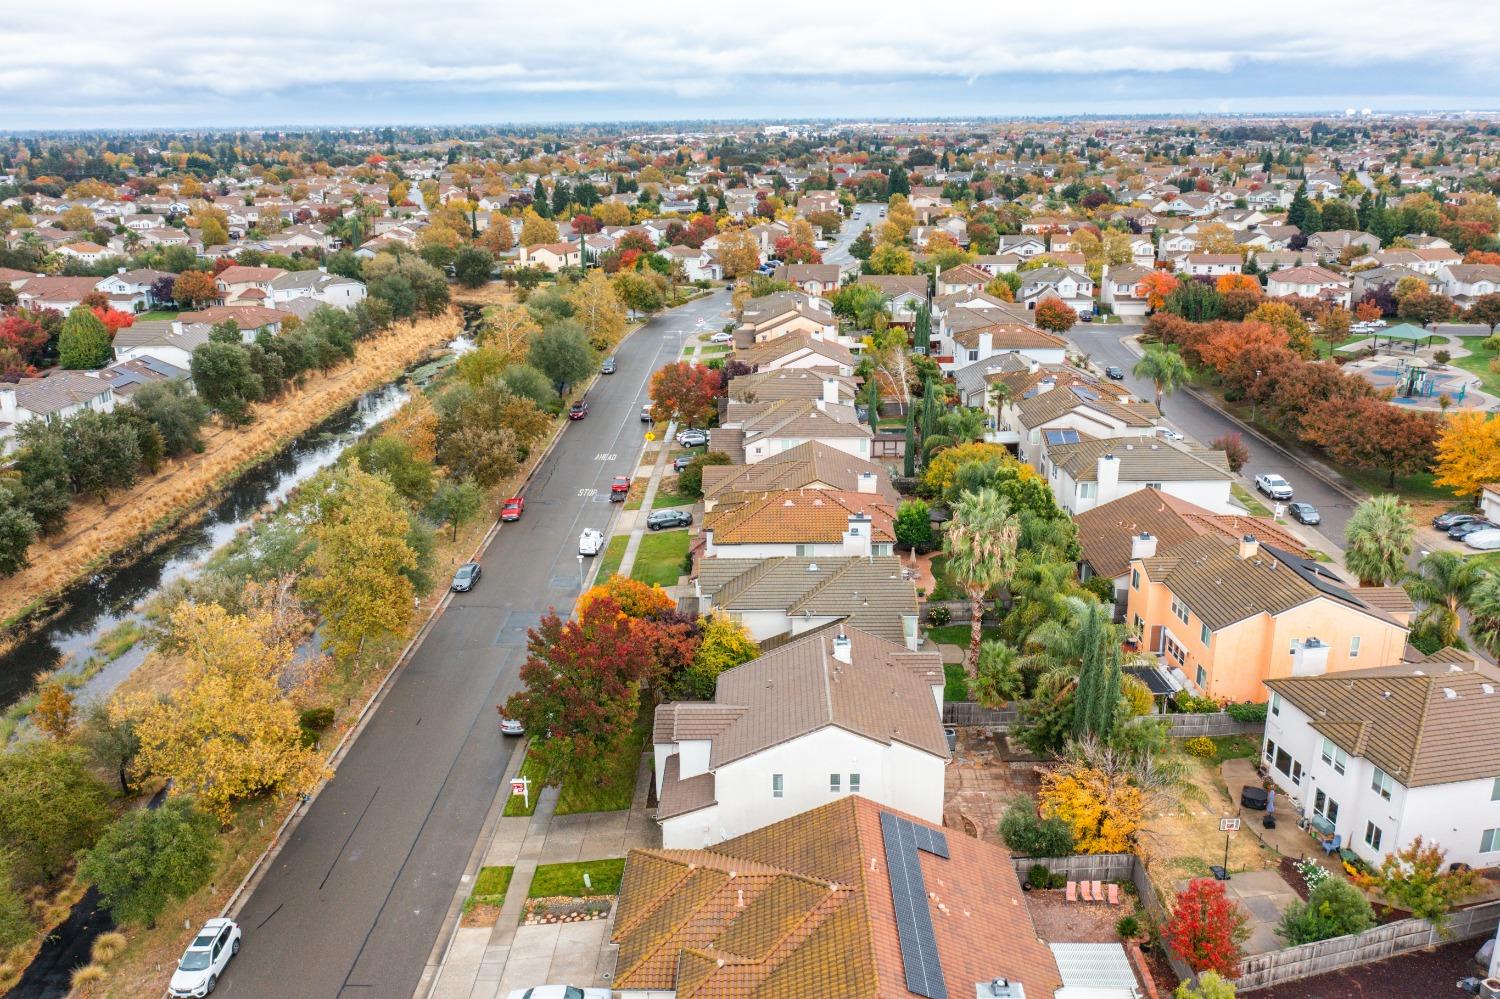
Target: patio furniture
1098,892
1320,826
1268,821
1072,891
1254,797
1114,893
1083,888
1332,845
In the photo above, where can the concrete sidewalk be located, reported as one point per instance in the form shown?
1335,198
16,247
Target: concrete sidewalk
483,962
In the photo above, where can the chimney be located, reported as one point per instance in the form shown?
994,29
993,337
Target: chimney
1249,547
857,535
8,402
1309,658
841,648
1143,545
831,391
1108,474
867,482
119,270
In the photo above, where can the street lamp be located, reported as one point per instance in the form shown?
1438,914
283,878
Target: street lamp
580,572
1254,402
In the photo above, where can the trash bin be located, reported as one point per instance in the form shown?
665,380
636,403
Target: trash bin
1268,822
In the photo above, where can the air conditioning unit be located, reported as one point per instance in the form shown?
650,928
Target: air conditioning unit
1489,988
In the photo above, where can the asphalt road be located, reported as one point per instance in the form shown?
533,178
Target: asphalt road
1104,344
866,214
354,902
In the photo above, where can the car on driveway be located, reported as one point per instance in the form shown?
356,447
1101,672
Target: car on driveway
513,508
691,438
591,541
682,461
1451,519
1115,372
205,959
466,576
659,519
578,410
619,489
608,367
1487,540
1305,513
1274,486
1168,434
510,726
721,337
1469,527
559,992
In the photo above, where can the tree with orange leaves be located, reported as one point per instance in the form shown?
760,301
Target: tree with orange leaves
634,598
1367,311
1155,287
1236,282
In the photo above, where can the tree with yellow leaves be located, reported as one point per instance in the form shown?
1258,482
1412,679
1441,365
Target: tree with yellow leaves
536,230
1468,452
739,253
510,329
635,598
1216,237
598,310
227,732
53,713
612,213
359,569
1103,795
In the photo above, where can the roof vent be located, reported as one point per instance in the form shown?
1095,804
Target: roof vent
812,567
1385,695
999,988
1449,693
1455,668
1487,688
1418,672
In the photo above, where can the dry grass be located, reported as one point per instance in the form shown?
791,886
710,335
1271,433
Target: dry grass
107,947
1182,842
49,911
87,974
494,293
95,532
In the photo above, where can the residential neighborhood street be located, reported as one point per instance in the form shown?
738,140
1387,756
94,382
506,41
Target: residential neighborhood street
356,898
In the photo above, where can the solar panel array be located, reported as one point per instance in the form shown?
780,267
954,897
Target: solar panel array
919,956
1061,436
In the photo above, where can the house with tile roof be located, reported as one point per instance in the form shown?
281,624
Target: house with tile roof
778,599
798,350
1084,471
1036,406
751,432
1309,282
969,336
793,383
54,397
785,313
815,523
1120,288
806,908
819,280
1381,756
1465,282
551,257
1076,290
812,465
1227,615
831,713
904,294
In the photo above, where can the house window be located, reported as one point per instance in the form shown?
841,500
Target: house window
1289,767
1382,783
1135,579
1175,651
1326,807
1334,757
1495,791
1179,610
833,783
854,783
973,355
776,786
1275,704
881,549
1154,485
1202,676
1203,635
804,551
1372,835
1489,841
1086,490
1354,647
1270,750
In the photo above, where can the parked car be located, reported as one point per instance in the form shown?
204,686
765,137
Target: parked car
1305,513
691,438
591,541
205,958
1468,527
646,414
466,576
619,489
721,337
1115,372
659,519
559,992
513,508
608,367
1085,317
1274,486
682,461
1487,540
509,726
1168,434
1451,519
578,410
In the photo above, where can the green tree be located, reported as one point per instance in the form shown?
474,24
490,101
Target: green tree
1195,302
1418,879
1210,986
17,532
1027,834
111,742
84,341
998,680
227,331
150,857
17,925
393,459
102,451
725,644
529,383
980,543
50,808
1379,539
1443,583
913,524
1164,367
1484,611
690,479
472,266
1334,908
562,353
224,380
176,413
456,502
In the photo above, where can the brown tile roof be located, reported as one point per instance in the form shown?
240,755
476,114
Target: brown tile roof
1429,722
679,796
764,355
802,909
1141,460
812,464
789,383
800,516
868,593
249,317
965,274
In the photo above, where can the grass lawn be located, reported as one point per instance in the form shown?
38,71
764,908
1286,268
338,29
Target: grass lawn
618,787
1478,363
1413,488
1234,747
1246,497
956,682
531,768
490,887
1325,348
664,500
659,559
1319,556
958,634
614,552
161,314
566,880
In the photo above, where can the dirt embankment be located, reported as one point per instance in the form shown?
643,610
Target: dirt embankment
96,532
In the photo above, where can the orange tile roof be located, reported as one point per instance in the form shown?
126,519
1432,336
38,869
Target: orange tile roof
800,516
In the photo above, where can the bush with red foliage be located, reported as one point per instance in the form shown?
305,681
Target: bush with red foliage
1206,928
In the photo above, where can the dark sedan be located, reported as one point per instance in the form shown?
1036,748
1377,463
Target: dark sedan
668,518
1304,513
1115,372
1451,519
465,578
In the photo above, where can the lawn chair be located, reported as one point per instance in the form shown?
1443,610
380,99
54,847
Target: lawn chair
1331,846
1098,892
1072,891
1114,893
1083,889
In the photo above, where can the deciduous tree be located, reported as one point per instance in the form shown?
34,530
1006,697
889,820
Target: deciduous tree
563,354
597,309
1055,315
194,289
455,503
1417,879
1156,287
1468,452
1206,928
724,645
1372,434
1426,307
739,253
684,392
536,230
151,857
50,808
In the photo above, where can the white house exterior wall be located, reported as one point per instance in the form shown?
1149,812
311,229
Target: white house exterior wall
1211,495
770,447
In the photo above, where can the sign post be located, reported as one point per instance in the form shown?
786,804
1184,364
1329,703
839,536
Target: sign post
521,786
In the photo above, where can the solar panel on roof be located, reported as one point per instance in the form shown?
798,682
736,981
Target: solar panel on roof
914,931
1061,436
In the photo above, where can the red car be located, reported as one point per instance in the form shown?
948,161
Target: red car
619,489
578,410
512,508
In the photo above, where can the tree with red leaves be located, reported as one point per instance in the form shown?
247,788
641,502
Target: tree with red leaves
586,225
1055,315
789,251
222,264
1155,287
194,289
1371,433
1206,928
114,320
685,392
23,333
582,689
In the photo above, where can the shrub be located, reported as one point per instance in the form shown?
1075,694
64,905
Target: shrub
1128,927
1442,356
939,616
316,719
1312,873
1201,746
85,974
1039,877
1027,834
107,947
1248,712
1059,881
1335,908
1191,704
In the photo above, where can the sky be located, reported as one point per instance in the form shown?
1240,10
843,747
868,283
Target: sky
173,63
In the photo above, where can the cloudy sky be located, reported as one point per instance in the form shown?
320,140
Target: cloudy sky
88,63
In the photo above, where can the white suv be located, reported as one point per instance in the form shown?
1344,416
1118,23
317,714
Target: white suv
205,959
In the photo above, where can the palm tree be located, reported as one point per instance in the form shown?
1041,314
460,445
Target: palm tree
980,543
1484,613
1165,367
1086,644
1445,582
1380,538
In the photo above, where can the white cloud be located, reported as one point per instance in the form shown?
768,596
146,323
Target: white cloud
85,54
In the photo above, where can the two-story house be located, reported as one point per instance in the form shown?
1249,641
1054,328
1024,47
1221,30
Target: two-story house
819,523
1120,288
750,432
56,397
1085,471
798,351
1309,282
1074,289
807,466
1466,282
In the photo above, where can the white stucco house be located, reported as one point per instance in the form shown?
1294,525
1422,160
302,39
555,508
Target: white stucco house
57,397
1378,757
835,713
1084,472
327,289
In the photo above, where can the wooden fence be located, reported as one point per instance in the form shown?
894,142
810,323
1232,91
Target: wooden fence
961,612
1181,726
1401,937
1215,723
974,713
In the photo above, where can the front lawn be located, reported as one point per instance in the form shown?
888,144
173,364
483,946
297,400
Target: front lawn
614,554
532,769
1248,500
664,500
158,314
659,559
490,887
616,789
566,880
1478,363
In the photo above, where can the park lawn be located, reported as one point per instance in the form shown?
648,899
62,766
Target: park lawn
1246,497
1478,363
532,769
659,559
566,880
1326,348
490,887
614,554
